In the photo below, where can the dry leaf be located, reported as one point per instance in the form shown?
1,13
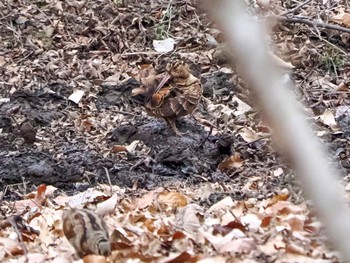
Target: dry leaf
76,96
343,18
328,118
10,246
172,199
234,161
126,148
107,206
165,45
251,221
149,198
222,204
217,259
188,218
248,134
281,63
94,259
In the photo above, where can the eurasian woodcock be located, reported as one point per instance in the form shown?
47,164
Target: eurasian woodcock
177,94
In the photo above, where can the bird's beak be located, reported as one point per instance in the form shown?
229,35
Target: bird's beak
163,81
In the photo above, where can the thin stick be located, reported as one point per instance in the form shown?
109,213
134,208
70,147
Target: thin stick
310,23
293,10
142,53
109,180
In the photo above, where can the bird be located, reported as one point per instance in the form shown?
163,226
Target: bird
86,231
176,95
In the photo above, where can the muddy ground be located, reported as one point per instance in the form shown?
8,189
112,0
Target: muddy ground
69,165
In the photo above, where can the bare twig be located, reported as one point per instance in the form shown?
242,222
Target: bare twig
109,180
142,53
293,10
310,23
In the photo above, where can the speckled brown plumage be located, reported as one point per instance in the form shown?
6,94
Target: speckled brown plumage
175,96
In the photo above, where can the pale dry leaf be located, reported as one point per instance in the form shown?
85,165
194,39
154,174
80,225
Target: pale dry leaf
112,80
2,61
76,96
241,107
108,206
227,218
4,100
225,203
149,198
328,118
188,218
278,172
217,259
252,221
240,245
227,70
165,45
326,83
249,135
49,31
235,241
342,87
62,200
89,196
281,63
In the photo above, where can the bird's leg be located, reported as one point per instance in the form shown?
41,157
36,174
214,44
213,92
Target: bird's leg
172,124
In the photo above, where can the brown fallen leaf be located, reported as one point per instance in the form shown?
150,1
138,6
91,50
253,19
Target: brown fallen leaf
10,246
234,161
94,259
172,199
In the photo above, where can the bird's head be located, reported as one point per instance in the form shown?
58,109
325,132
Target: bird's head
178,69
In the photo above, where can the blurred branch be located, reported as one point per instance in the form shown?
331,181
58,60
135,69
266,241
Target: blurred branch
247,40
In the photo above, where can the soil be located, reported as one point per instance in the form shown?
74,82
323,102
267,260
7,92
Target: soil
68,165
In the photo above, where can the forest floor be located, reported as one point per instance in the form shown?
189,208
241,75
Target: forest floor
67,70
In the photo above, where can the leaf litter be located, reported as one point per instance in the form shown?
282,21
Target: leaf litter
68,70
